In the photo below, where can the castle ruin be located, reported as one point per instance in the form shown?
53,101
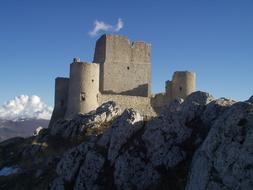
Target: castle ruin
120,72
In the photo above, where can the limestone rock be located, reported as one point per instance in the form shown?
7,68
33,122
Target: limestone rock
89,171
122,129
155,153
224,160
194,105
37,131
80,123
163,138
201,98
70,163
133,172
214,109
106,112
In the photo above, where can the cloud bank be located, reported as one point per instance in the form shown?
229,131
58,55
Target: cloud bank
25,107
102,26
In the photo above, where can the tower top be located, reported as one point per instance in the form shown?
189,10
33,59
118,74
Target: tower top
118,49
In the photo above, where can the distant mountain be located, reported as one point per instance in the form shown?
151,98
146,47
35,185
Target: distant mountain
22,115
20,128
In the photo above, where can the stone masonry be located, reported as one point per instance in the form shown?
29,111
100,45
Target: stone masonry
120,72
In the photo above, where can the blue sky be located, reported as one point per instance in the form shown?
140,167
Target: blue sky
214,38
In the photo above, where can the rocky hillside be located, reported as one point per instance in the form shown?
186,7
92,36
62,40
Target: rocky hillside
196,144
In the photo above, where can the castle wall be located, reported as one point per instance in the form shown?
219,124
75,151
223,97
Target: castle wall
142,104
183,83
83,88
140,52
125,68
121,72
60,99
159,102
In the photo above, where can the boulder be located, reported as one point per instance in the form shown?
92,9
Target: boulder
214,109
37,131
194,105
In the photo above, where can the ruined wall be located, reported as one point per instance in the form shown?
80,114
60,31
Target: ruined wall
183,83
121,72
159,102
83,88
60,99
142,104
124,67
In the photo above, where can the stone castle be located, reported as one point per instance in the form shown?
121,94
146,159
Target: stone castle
120,72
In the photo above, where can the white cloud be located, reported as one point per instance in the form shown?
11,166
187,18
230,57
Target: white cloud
102,26
25,107
119,25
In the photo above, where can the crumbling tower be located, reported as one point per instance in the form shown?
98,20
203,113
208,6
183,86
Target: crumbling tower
125,67
183,83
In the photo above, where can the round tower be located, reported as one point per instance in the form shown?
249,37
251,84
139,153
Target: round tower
183,83
60,99
83,88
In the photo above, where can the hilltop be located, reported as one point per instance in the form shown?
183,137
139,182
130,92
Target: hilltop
199,143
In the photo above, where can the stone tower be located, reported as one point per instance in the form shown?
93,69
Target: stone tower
125,67
120,72
183,83
83,88
60,98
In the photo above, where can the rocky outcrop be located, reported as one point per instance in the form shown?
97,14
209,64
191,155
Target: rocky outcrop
224,160
168,133
134,171
120,132
83,165
214,109
81,123
138,154
198,143
194,105
70,163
